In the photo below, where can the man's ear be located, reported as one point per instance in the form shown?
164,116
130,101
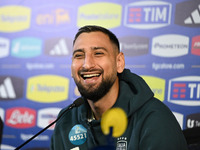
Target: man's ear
120,62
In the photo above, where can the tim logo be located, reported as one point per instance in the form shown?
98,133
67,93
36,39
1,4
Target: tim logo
195,49
11,88
20,117
193,120
53,17
185,91
188,13
147,14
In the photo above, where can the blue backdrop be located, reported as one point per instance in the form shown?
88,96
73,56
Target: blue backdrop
160,40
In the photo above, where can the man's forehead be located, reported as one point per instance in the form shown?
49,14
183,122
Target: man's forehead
88,34
89,39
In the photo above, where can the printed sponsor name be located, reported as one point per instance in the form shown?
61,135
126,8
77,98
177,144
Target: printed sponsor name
58,47
57,17
185,91
25,137
26,47
47,88
193,120
11,88
20,117
100,14
170,66
170,45
14,18
47,116
148,14
188,13
134,46
39,66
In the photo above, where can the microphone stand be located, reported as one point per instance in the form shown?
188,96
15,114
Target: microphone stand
76,103
36,135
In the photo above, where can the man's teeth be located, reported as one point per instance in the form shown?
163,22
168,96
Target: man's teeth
91,75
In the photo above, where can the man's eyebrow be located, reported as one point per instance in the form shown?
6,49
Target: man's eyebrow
92,48
77,50
99,47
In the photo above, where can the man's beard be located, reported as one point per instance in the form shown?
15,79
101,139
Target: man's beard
97,93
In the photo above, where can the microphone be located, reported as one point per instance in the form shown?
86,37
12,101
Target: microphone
79,101
113,124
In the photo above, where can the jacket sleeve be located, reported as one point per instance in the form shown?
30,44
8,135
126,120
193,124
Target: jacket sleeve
161,131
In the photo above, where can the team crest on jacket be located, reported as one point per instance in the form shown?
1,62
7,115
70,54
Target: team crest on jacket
78,134
121,143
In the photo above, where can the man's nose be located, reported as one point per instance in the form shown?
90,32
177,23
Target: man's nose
88,62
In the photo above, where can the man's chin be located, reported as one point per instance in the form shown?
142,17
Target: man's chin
90,87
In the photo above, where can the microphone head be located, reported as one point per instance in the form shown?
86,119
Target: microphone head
79,101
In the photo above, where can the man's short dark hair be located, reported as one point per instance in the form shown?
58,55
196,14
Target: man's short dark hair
94,28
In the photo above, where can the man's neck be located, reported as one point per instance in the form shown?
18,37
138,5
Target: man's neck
106,102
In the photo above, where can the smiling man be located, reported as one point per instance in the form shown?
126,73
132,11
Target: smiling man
95,64
99,73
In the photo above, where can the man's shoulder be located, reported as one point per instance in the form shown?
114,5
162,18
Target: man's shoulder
65,116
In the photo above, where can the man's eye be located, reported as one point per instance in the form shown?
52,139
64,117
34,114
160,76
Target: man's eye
99,53
78,55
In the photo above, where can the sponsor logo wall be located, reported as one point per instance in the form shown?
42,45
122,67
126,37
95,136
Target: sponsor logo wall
160,40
